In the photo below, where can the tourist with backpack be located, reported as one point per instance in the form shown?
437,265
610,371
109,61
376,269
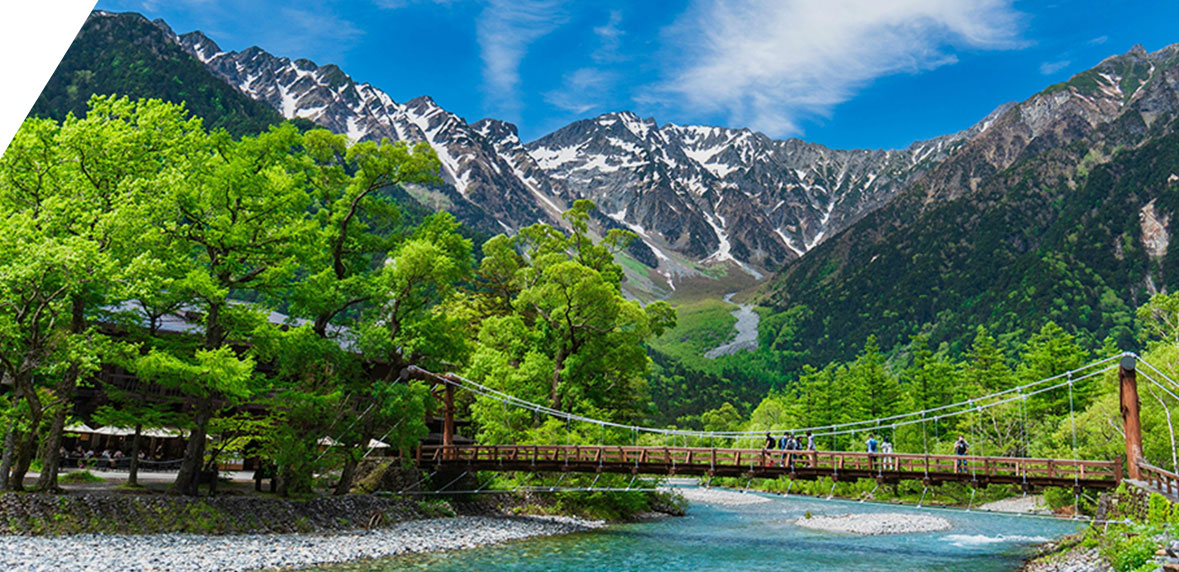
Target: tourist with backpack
960,449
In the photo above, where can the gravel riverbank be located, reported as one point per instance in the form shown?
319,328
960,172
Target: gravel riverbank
722,497
184,552
878,523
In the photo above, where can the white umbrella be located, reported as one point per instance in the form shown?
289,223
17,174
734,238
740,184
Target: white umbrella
160,432
374,444
78,428
328,442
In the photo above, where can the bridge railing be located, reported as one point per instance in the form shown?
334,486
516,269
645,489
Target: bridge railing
668,459
1159,478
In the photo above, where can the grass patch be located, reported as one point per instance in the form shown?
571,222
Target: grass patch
436,508
84,476
700,326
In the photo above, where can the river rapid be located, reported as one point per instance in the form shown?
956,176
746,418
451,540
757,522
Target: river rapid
760,536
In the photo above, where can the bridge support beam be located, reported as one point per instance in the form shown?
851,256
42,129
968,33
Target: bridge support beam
1128,376
448,415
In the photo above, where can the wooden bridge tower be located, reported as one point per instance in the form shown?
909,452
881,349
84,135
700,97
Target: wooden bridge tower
1129,399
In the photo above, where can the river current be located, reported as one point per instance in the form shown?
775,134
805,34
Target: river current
760,536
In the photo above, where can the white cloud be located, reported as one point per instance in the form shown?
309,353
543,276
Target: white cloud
610,36
398,4
1098,40
505,30
768,64
320,35
1049,68
582,90
586,89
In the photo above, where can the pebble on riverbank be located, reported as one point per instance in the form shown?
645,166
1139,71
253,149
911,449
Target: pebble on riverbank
184,552
874,524
719,496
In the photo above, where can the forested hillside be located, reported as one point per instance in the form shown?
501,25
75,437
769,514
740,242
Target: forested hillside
133,57
1075,231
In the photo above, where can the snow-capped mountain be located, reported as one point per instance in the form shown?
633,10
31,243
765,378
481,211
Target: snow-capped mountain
476,172
717,194
696,196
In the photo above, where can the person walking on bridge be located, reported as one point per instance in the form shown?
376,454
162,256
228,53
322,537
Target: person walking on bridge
960,449
770,445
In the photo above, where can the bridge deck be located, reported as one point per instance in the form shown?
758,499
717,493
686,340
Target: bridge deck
809,465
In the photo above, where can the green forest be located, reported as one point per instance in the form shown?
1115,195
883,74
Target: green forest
305,295
115,222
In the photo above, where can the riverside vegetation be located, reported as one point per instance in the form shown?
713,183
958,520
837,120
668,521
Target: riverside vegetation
135,213
114,223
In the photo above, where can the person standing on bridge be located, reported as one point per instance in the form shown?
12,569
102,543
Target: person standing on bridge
810,441
960,449
871,449
886,450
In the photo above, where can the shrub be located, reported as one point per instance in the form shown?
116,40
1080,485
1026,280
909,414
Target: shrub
84,476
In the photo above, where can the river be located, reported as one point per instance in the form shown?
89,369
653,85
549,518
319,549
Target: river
759,536
745,328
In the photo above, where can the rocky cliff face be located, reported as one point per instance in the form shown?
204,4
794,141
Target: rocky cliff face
1131,89
695,196
478,178
698,196
716,194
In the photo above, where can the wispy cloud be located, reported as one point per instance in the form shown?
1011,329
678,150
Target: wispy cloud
1098,40
582,90
315,29
398,4
1049,68
610,38
768,64
319,32
586,89
505,30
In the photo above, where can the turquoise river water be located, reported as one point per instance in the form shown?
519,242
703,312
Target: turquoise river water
760,536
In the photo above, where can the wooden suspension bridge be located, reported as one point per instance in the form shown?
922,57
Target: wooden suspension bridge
1026,472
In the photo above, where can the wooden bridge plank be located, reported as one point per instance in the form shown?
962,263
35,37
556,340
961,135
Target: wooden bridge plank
766,463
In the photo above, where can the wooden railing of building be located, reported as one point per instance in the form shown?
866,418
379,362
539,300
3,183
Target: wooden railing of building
839,465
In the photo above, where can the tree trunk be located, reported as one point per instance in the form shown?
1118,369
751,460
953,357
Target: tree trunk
559,363
25,442
188,478
7,458
26,449
282,474
51,453
346,477
348,474
133,470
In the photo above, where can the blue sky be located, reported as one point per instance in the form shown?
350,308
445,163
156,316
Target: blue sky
844,73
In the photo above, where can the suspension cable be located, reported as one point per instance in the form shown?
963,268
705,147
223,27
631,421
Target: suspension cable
833,430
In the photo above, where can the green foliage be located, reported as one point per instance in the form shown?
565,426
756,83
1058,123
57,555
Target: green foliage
1158,510
83,476
553,327
128,55
435,508
1029,247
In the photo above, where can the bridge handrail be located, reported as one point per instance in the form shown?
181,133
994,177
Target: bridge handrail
731,456
1159,477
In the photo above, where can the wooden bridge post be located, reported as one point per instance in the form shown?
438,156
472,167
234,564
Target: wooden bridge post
448,417
1130,405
